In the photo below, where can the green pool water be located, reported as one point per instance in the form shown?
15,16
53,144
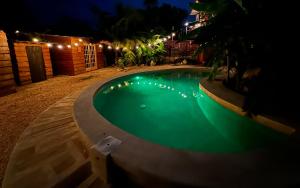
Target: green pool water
169,108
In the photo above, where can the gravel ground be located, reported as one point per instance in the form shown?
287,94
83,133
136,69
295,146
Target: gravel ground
19,109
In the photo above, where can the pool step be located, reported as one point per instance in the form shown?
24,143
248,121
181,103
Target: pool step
82,177
93,181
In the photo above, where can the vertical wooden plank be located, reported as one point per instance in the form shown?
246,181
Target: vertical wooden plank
7,83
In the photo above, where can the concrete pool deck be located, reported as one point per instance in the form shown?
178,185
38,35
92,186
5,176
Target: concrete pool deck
53,152
20,109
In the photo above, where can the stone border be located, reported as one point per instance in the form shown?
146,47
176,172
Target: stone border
51,152
259,118
154,165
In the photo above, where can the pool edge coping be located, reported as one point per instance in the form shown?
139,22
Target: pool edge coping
280,127
146,161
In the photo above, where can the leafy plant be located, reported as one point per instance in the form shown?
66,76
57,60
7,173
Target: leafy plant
140,51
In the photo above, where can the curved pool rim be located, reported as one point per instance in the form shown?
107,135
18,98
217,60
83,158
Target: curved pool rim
153,161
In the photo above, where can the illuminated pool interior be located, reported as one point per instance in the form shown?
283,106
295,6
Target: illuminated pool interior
168,108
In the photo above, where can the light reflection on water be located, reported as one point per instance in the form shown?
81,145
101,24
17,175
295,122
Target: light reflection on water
168,108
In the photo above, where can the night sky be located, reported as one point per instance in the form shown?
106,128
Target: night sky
50,10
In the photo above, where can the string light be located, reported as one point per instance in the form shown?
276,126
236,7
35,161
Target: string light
61,46
169,37
173,34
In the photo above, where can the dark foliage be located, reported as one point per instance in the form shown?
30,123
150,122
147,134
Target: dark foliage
257,41
129,22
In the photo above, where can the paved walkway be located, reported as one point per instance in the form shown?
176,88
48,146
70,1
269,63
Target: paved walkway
52,152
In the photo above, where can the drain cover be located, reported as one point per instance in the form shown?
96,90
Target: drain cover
106,145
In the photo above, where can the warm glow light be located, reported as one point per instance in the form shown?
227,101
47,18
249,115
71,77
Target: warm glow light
49,45
137,47
35,40
76,44
69,46
117,48
17,31
173,34
100,46
60,47
165,39
169,37
186,24
149,45
109,47
80,40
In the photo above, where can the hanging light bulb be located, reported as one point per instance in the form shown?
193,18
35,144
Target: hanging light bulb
60,47
49,45
17,31
69,46
35,40
80,40
117,48
109,47
76,44
100,46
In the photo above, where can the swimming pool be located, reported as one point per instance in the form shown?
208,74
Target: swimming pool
168,108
